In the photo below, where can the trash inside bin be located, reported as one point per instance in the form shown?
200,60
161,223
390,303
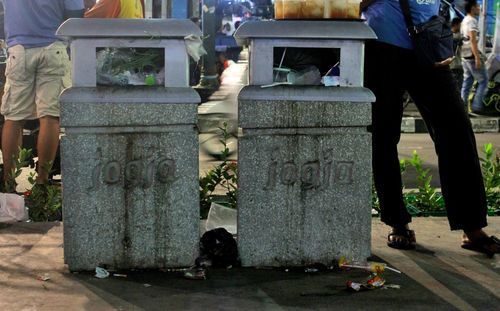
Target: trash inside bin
220,216
220,247
316,9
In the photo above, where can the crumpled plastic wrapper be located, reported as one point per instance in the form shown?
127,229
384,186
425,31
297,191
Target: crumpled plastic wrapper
194,47
101,273
373,282
12,208
195,273
370,266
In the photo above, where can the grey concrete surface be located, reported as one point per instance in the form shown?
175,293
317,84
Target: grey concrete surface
304,191
303,196
85,35
438,275
263,37
133,200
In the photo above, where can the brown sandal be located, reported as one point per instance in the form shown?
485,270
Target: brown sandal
486,245
401,238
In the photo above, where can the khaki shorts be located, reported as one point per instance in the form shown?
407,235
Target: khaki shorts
34,79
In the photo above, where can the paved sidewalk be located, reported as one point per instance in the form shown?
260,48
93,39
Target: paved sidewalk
438,275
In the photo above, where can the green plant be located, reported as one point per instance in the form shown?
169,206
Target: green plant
223,176
44,201
426,198
402,167
490,166
21,161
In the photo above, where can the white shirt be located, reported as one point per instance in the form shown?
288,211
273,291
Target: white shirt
469,24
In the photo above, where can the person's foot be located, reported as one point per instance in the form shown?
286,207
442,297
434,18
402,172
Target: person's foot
401,238
479,241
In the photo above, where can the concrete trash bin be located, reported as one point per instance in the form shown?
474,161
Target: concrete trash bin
305,152
129,154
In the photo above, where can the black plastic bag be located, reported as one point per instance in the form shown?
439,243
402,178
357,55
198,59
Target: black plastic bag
219,246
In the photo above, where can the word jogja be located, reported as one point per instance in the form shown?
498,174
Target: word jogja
310,175
136,173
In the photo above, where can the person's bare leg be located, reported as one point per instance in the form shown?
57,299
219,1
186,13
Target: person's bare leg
48,141
12,135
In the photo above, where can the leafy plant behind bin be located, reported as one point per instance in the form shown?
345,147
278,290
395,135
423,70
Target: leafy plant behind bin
22,160
490,165
427,199
222,176
44,202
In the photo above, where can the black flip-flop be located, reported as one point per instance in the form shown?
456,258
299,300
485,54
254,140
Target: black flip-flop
483,245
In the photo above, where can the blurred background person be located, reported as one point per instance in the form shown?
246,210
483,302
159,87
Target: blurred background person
472,60
117,9
37,71
456,64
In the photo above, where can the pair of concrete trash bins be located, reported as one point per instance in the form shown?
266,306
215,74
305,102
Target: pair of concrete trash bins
130,155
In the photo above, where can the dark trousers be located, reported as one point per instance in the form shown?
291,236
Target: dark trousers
458,74
389,72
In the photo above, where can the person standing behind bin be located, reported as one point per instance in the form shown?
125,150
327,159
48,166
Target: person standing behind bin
117,9
37,71
456,64
472,61
391,69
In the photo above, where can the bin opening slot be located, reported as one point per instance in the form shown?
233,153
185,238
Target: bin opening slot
304,66
130,66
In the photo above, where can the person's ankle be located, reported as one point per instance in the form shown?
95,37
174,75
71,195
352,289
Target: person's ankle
475,234
401,227
41,181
